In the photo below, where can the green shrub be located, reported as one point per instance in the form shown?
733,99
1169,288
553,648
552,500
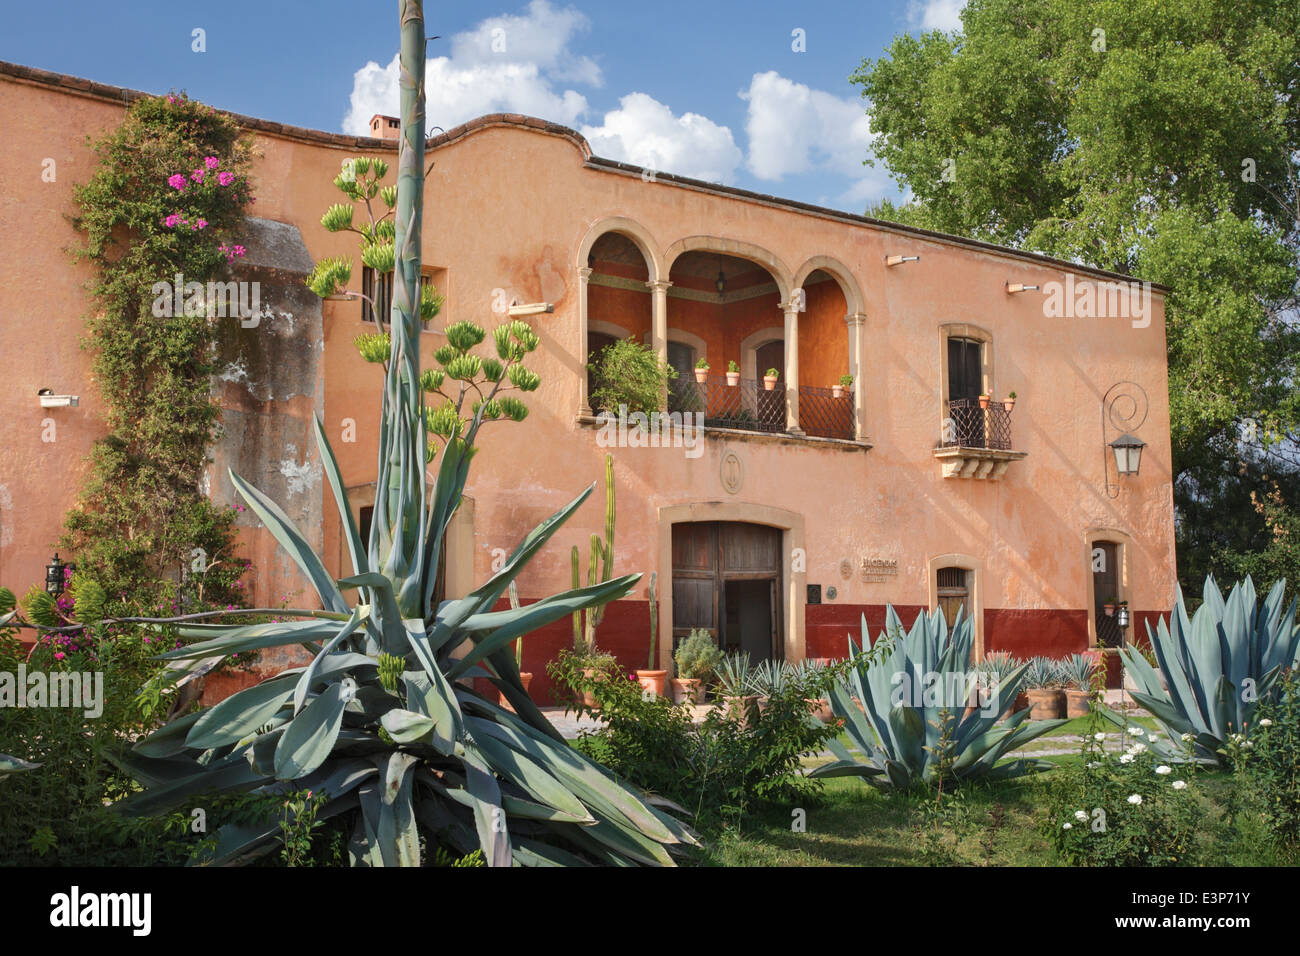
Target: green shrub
629,373
1274,767
697,656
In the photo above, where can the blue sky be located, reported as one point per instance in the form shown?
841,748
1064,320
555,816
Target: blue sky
706,89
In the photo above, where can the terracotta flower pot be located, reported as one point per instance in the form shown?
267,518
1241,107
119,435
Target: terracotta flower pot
1046,703
769,383
686,690
1017,705
743,708
984,401
1009,404
1109,609
525,678
821,709
653,681
733,378
701,375
1077,702
837,391
588,697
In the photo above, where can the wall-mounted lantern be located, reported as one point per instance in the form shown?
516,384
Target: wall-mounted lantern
54,577
1014,287
899,260
532,308
1123,412
1128,453
50,400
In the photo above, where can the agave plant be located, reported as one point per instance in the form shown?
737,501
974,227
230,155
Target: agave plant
736,676
1218,665
1043,673
1077,671
380,720
897,735
10,765
997,666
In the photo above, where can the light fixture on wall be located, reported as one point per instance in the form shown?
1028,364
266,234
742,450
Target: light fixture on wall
1014,287
721,283
1123,412
533,308
54,577
899,260
50,400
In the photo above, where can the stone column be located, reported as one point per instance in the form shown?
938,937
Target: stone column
857,323
584,406
659,323
791,310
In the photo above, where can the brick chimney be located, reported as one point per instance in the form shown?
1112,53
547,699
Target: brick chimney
385,127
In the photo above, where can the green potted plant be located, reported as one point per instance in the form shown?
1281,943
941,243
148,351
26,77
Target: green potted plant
1043,688
695,660
652,679
1078,670
1010,403
738,686
770,378
1110,606
984,400
733,373
845,383
702,370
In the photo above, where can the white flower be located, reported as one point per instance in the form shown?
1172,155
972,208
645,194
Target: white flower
1135,731
1189,737
1152,737
1266,722
1126,758
1163,770
1067,826
1135,799
1094,764
1098,737
1180,784
1138,748
1081,816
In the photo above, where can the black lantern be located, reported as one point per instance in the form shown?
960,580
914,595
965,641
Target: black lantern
54,576
1121,615
721,283
1128,453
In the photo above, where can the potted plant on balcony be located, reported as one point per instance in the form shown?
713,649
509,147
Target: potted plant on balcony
1078,671
984,400
650,678
733,373
845,383
770,378
702,370
1043,688
1110,606
1010,403
695,659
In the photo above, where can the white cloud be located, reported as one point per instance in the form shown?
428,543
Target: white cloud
794,129
645,132
937,14
508,63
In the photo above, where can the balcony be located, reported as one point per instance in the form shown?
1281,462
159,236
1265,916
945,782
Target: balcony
750,406
976,442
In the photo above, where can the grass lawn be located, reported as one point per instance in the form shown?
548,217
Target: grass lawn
853,824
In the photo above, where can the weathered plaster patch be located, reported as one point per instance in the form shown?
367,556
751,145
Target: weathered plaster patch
298,478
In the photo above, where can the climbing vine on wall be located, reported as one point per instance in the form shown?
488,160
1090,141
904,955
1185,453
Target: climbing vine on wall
159,216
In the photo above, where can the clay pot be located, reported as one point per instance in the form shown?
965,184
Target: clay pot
525,678
687,690
821,709
984,401
1046,703
1017,705
1077,702
1009,404
837,391
769,383
701,375
653,681
744,708
733,378
588,697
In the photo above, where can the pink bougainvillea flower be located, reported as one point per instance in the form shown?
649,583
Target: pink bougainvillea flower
225,178
198,174
239,250
58,656
171,221
211,162
176,182
200,224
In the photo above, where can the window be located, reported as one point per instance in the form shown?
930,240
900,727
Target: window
953,590
1106,589
380,289
965,369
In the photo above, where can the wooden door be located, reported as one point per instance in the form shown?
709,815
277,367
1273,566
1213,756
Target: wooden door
1105,588
708,555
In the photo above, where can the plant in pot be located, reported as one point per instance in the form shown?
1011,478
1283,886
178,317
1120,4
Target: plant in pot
737,685
1010,402
1078,671
1043,688
984,400
651,678
702,371
770,378
1110,606
845,383
696,658
733,373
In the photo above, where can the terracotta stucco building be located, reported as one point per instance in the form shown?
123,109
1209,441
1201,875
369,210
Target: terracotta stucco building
802,509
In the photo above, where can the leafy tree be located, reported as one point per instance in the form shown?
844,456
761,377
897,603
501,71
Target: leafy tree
1152,138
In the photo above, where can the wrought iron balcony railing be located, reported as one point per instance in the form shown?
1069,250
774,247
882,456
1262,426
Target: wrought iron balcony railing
969,426
751,406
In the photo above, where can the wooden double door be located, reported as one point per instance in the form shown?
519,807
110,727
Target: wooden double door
727,580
